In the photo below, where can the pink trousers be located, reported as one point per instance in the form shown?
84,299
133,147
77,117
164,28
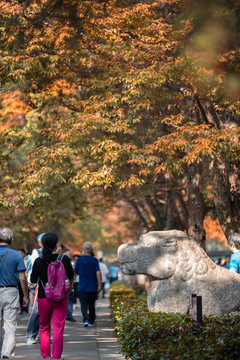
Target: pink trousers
57,312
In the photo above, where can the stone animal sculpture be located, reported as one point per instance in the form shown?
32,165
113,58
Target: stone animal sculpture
178,267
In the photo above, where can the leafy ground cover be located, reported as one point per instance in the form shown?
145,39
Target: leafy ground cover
145,335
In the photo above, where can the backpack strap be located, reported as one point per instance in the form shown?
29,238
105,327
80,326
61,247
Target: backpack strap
4,256
60,257
41,283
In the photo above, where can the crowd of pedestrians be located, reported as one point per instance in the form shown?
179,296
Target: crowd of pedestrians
52,280
26,287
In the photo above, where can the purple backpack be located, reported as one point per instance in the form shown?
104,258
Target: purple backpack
58,284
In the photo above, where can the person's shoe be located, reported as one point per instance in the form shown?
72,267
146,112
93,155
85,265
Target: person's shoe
85,324
71,319
5,357
31,341
90,323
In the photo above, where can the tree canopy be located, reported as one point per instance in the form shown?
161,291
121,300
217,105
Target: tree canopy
140,98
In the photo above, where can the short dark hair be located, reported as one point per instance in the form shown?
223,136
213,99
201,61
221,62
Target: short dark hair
6,235
234,239
23,250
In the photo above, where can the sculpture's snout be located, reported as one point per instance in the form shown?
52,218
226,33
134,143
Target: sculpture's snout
127,257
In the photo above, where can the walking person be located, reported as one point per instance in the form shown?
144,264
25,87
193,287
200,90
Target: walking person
61,249
114,273
33,323
12,270
105,275
48,308
90,283
234,244
35,254
76,281
23,309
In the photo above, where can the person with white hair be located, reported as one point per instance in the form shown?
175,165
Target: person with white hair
12,270
90,283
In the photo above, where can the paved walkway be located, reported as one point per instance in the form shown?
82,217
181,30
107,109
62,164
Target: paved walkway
90,343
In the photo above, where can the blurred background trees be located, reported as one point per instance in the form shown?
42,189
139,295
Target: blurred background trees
125,108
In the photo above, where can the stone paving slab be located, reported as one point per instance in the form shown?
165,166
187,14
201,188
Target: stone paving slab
79,343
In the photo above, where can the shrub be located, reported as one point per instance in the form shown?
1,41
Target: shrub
155,336
118,292
140,291
118,283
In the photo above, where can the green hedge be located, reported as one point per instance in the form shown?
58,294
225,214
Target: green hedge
145,335
120,291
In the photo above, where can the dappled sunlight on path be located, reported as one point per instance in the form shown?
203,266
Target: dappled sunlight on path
80,343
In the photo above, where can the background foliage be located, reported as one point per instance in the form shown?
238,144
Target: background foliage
107,101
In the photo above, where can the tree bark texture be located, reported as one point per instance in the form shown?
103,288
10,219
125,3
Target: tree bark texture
195,204
179,210
226,189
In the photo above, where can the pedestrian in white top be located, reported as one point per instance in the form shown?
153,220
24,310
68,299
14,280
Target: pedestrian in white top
105,275
33,323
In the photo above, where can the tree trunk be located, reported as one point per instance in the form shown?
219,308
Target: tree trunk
226,189
234,181
195,204
159,210
141,212
179,210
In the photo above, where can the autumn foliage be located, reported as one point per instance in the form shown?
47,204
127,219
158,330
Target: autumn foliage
139,98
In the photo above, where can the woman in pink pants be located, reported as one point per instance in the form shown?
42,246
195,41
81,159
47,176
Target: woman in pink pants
48,309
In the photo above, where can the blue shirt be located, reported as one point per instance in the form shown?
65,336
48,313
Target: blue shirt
234,262
86,267
10,267
114,271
